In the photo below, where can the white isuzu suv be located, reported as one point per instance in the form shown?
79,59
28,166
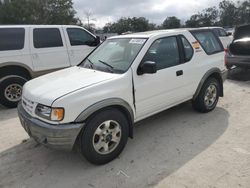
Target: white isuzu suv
29,51
126,79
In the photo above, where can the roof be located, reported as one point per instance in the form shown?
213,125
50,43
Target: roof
214,27
149,34
27,26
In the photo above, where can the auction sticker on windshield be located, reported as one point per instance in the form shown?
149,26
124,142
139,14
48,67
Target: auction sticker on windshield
137,41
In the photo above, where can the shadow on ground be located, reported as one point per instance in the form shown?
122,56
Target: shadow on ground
239,74
162,144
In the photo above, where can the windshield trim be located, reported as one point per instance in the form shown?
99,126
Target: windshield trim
116,72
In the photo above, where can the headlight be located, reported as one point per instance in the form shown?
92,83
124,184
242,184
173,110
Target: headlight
53,114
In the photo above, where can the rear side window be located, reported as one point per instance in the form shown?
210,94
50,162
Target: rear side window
208,41
11,39
79,37
188,49
47,38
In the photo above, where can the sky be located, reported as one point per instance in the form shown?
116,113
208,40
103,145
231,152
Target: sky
104,11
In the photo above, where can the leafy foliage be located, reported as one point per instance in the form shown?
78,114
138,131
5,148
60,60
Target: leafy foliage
171,23
135,24
38,12
208,17
227,14
244,13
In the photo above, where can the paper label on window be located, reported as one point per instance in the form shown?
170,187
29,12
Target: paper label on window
196,45
137,41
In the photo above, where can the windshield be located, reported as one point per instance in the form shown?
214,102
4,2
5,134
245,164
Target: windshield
114,55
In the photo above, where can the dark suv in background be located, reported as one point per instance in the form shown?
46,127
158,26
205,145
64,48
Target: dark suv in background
238,52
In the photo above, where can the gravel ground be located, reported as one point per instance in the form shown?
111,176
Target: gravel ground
176,148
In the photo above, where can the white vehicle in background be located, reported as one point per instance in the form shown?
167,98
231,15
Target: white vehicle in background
230,31
94,105
28,51
225,37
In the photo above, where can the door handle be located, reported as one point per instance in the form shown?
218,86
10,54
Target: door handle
179,73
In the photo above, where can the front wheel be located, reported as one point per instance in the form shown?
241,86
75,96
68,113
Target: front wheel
208,97
11,90
104,137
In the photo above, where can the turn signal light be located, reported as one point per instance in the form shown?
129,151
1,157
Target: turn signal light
57,114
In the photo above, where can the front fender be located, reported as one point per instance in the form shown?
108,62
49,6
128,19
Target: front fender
103,104
112,102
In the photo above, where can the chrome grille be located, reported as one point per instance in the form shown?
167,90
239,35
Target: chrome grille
28,105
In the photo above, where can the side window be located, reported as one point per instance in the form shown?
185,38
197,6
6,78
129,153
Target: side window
164,52
216,31
47,38
11,39
188,49
222,33
208,41
80,37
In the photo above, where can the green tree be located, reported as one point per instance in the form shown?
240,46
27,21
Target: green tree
135,24
194,21
171,23
139,24
228,13
38,12
244,13
208,17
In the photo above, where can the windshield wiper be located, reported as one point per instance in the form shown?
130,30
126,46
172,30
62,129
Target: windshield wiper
91,63
108,65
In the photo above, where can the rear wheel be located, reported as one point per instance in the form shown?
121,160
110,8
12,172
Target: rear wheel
104,137
208,97
11,90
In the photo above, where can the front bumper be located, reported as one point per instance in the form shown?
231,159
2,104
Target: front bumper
61,136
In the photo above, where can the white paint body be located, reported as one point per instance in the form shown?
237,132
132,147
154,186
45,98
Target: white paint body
45,59
75,89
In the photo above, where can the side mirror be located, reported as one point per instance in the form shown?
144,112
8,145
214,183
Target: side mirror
147,67
97,40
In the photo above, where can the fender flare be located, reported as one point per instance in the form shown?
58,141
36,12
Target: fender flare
18,64
12,76
213,71
111,102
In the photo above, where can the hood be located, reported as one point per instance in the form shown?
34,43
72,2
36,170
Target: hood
46,89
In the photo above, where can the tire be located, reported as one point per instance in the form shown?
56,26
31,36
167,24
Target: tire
91,143
203,103
11,90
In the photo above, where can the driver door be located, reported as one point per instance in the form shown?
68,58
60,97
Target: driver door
165,88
